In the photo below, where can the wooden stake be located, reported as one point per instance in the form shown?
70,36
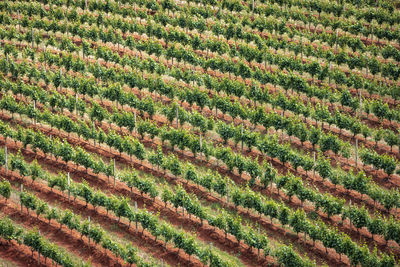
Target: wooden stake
314,164
200,145
94,129
76,103
34,108
177,120
69,184
330,65
241,131
301,47
6,159
356,152
89,230
134,114
337,32
21,189
114,170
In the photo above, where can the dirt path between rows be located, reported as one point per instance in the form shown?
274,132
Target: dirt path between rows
247,255
381,149
318,249
372,122
381,179
20,255
169,254
349,229
326,187
62,237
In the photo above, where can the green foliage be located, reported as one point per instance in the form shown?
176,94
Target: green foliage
5,189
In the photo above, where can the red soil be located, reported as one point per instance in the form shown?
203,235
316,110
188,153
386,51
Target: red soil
372,121
191,188
349,230
63,237
169,254
20,255
353,230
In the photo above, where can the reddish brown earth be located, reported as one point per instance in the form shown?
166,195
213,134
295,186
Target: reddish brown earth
131,52
365,39
107,154
20,255
63,238
161,121
381,149
194,187
215,235
369,236
169,254
373,121
357,234
102,182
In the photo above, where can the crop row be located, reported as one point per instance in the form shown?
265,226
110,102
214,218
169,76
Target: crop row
330,147
390,137
250,53
123,117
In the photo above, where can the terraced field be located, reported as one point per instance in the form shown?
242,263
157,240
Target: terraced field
199,133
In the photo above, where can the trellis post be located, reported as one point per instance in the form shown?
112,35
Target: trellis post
76,103
200,145
177,119
314,164
94,129
89,230
241,132
34,108
21,189
114,170
359,93
356,152
134,115
69,184
6,158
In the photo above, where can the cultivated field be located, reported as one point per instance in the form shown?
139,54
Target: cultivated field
199,133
